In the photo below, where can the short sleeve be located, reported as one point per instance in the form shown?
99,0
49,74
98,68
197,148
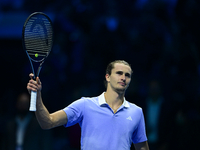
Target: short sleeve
74,112
139,134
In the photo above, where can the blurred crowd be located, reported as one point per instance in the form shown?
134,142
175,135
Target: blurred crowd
159,38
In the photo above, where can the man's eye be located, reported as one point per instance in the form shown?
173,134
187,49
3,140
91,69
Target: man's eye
128,75
120,73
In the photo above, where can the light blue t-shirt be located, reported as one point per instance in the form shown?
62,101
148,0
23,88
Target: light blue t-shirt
101,128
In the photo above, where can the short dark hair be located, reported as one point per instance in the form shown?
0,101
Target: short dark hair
111,66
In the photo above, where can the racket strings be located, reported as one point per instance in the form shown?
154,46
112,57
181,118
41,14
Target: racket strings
38,37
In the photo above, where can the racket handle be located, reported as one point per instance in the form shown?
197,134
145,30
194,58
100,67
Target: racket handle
33,101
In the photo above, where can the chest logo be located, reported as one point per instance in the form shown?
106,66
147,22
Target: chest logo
129,118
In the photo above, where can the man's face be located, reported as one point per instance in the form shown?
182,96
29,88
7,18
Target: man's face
120,77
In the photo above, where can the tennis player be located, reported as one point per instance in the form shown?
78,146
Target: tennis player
108,121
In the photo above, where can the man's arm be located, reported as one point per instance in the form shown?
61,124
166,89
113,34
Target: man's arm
45,119
142,146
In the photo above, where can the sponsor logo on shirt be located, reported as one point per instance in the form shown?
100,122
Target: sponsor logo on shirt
129,118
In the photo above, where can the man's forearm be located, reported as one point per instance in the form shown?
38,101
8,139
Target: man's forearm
42,114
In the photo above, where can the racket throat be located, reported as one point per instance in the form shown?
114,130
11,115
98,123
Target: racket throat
39,68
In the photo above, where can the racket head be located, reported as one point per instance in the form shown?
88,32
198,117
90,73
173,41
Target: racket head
37,36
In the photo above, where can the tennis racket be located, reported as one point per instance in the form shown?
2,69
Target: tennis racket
37,41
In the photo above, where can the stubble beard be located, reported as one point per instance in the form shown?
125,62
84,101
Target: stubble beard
119,90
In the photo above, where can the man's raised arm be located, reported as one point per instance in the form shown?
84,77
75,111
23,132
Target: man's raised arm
45,119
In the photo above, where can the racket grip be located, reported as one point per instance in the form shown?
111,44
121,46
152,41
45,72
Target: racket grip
33,101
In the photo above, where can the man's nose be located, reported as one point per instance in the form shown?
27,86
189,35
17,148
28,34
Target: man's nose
123,77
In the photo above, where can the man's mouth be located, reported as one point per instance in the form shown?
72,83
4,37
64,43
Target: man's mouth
122,83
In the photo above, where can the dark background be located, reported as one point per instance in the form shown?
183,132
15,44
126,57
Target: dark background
159,38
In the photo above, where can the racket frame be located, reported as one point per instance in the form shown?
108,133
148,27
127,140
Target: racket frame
34,94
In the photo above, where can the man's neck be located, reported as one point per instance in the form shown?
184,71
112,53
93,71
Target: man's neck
114,99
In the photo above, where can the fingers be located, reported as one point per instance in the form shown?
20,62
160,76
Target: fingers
31,75
34,85
38,81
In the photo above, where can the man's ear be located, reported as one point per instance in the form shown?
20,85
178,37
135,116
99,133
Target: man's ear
107,76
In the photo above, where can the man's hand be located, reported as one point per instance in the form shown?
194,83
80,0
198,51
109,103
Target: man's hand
34,85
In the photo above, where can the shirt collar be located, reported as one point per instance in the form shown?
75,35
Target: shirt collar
103,101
